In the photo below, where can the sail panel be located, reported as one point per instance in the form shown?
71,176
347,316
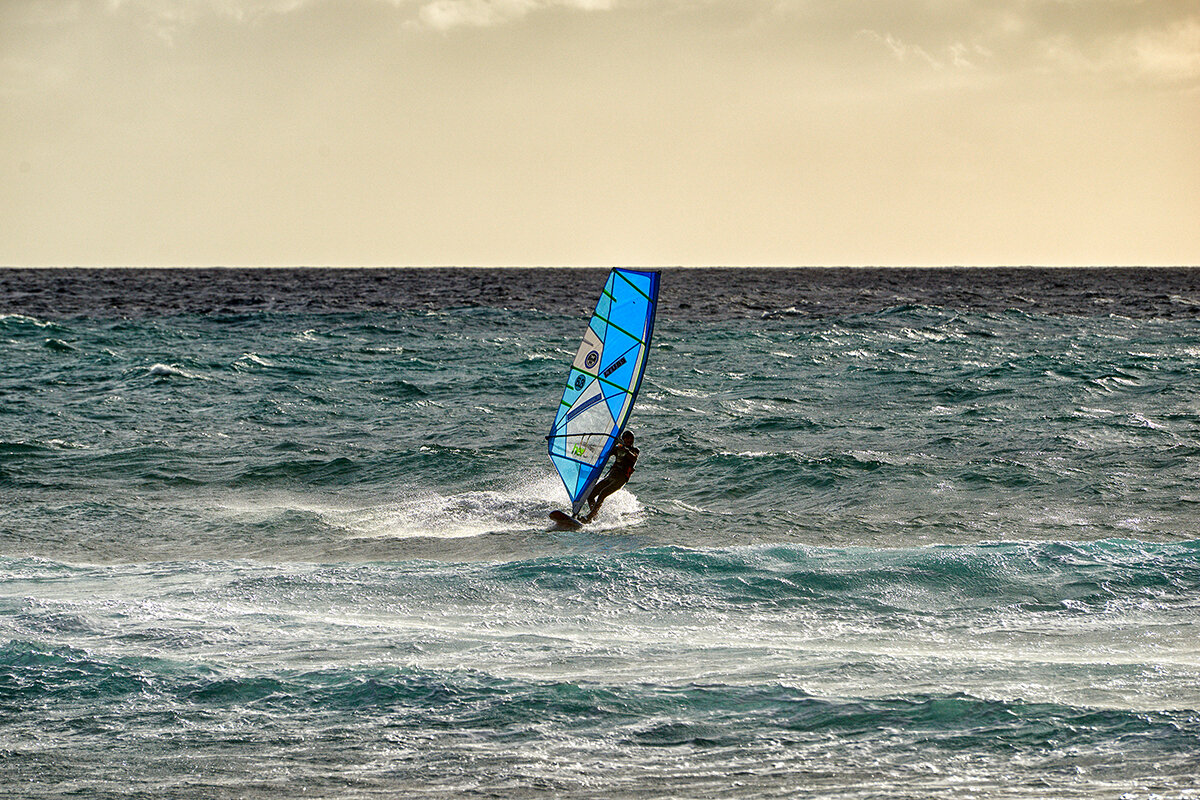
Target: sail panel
604,379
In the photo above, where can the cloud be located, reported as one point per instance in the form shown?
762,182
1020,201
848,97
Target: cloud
1165,55
1172,54
167,18
901,50
1149,40
239,10
446,14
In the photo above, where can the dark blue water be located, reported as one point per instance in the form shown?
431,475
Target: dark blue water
894,533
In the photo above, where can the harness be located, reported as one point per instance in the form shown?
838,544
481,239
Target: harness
623,465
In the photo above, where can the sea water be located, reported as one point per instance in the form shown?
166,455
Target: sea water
893,534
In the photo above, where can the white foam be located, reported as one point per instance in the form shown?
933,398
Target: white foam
1145,422
169,370
690,393
620,510
427,514
255,358
26,319
433,515
699,510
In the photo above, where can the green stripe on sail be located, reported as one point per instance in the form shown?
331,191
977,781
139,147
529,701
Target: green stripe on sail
600,378
632,285
622,330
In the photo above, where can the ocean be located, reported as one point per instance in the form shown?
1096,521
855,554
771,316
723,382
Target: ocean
893,534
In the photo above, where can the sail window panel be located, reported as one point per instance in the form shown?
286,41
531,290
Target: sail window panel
584,360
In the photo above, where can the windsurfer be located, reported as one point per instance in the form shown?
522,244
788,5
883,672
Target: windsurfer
622,467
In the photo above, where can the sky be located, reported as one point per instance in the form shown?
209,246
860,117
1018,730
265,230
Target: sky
599,132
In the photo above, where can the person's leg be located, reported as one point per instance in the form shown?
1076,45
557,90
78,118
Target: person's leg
602,491
596,491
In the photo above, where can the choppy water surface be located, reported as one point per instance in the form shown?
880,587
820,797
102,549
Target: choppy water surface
893,534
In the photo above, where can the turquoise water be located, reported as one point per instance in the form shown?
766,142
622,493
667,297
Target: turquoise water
930,549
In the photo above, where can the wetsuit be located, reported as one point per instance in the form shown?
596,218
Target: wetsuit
618,474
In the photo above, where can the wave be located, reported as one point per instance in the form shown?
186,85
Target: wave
647,714
338,470
702,661
988,587
59,346
172,371
21,323
749,473
1070,577
1040,577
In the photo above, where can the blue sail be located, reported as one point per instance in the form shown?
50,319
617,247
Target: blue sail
604,379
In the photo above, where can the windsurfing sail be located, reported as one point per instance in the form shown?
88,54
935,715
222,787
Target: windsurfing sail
604,380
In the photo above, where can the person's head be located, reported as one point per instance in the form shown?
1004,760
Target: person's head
627,438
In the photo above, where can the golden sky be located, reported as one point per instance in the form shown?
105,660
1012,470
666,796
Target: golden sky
644,132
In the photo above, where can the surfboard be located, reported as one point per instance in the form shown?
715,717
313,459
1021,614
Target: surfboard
564,520
603,381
